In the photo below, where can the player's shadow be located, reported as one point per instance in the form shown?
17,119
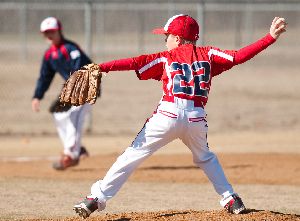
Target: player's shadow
170,168
253,211
83,169
274,212
172,214
121,219
240,166
161,215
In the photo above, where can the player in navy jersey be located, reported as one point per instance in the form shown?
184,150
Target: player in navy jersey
186,73
63,57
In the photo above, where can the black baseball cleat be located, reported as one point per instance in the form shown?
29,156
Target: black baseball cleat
83,153
235,205
86,207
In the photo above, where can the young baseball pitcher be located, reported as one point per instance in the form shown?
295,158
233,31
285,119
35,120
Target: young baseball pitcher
64,57
186,73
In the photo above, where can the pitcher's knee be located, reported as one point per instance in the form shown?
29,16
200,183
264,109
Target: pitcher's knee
204,158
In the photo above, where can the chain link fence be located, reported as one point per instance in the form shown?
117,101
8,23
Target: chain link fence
110,30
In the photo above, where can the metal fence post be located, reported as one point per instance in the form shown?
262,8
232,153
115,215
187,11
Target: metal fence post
171,8
23,31
100,36
201,22
249,22
88,46
141,32
88,27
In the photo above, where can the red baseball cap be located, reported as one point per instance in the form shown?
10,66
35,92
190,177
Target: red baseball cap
49,24
182,25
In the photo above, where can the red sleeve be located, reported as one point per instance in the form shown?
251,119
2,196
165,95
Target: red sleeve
125,64
248,52
221,60
146,66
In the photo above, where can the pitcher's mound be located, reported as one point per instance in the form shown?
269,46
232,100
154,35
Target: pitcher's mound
191,215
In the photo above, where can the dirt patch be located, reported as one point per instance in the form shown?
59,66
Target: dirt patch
162,182
243,168
191,215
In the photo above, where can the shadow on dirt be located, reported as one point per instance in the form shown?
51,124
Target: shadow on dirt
84,169
172,214
170,168
121,219
272,212
250,214
190,167
240,166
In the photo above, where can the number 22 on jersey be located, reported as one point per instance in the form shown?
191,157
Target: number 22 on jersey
191,80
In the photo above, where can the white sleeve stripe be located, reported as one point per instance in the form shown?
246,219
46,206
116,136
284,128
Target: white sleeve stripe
152,63
220,54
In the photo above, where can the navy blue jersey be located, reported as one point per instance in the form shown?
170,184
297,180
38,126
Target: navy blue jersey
63,59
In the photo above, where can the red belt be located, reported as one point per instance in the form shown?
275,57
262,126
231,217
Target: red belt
171,99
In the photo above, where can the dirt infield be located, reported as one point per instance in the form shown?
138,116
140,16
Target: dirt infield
167,186
254,127
191,215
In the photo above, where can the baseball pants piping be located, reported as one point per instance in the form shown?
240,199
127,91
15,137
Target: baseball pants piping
168,123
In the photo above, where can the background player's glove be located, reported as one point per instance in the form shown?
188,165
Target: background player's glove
83,86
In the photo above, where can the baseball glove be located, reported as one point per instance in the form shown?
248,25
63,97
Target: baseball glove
83,86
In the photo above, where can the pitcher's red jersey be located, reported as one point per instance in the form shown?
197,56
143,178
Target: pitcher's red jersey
187,71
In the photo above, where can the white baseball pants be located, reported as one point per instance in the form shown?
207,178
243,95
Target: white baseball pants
69,126
171,120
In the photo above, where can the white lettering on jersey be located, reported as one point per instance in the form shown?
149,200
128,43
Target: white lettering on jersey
75,54
220,54
152,63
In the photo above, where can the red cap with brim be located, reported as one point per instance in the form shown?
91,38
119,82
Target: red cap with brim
181,25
